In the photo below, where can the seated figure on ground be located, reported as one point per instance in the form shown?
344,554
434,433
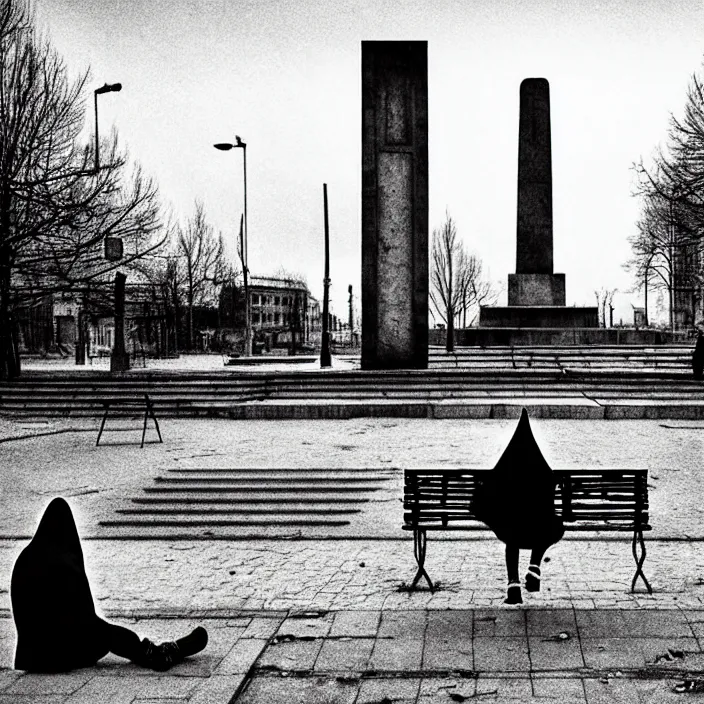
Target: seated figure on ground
52,605
517,501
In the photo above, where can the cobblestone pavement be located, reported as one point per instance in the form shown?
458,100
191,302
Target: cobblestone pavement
193,577
369,657
98,479
322,620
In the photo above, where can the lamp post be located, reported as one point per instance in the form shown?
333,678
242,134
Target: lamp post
107,88
225,146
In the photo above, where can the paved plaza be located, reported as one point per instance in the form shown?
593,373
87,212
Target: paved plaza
323,614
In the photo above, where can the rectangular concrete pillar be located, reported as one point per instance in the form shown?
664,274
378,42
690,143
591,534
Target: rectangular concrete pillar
394,205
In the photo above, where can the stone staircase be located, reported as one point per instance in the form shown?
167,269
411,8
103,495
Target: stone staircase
470,377
246,502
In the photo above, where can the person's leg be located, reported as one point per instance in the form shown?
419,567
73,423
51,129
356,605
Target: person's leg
513,591
121,641
533,574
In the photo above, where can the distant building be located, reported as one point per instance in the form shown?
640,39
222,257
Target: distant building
285,316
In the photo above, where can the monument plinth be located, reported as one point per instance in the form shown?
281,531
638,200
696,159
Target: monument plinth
536,295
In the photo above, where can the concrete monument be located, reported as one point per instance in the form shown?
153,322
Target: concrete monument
394,205
536,295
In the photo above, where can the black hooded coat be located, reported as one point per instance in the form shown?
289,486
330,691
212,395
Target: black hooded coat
517,498
57,627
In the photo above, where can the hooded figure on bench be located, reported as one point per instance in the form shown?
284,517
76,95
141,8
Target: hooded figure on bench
517,501
57,626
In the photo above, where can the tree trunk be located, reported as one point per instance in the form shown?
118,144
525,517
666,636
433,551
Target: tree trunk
9,352
450,339
190,324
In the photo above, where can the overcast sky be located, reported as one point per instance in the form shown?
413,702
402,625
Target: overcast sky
285,76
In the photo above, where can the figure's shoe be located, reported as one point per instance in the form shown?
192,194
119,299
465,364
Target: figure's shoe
193,643
533,578
513,594
164,656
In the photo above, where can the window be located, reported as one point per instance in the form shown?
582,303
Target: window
270,317
255,318
277,301
284,301
255,299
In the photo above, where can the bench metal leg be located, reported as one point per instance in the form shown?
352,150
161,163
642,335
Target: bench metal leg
419,545
102,424
149,411
639,542
156,422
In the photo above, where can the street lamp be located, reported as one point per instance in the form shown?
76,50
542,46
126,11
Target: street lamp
107,88
225,147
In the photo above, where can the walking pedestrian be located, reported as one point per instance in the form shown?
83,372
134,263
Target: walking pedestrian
517,501
52,605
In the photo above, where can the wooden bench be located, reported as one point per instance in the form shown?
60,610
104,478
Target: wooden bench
586,499
130,407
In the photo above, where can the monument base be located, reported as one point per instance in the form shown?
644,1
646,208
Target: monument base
536,289
555,337
538,317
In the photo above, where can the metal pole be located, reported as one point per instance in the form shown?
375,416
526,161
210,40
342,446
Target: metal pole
97,159
325,358
646,293
247,304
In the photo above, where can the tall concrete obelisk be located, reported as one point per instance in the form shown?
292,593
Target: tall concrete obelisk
534,283
394,205
536,295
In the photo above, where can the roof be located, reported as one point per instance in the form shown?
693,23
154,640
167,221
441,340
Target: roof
278,283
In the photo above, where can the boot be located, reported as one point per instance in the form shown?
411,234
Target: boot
513,594
164,656
533,578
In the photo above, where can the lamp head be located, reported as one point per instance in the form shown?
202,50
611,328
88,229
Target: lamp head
109,88
223,146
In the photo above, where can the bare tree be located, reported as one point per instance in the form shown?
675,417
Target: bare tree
456,281
667,249
55,209
201,255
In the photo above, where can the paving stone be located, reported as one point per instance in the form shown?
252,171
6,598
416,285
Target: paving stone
499,622
608,623
612,653
297,655
397,654
662,692
345,655
550,622
218,689
7,677
407,624
122,690
261,627
396,690
170,700
509,688
241,657
33,699
548,654
317,627
502,654
438,690
611,691
63,683
448,654
659,624
356,623
566,690
299,690
451,623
